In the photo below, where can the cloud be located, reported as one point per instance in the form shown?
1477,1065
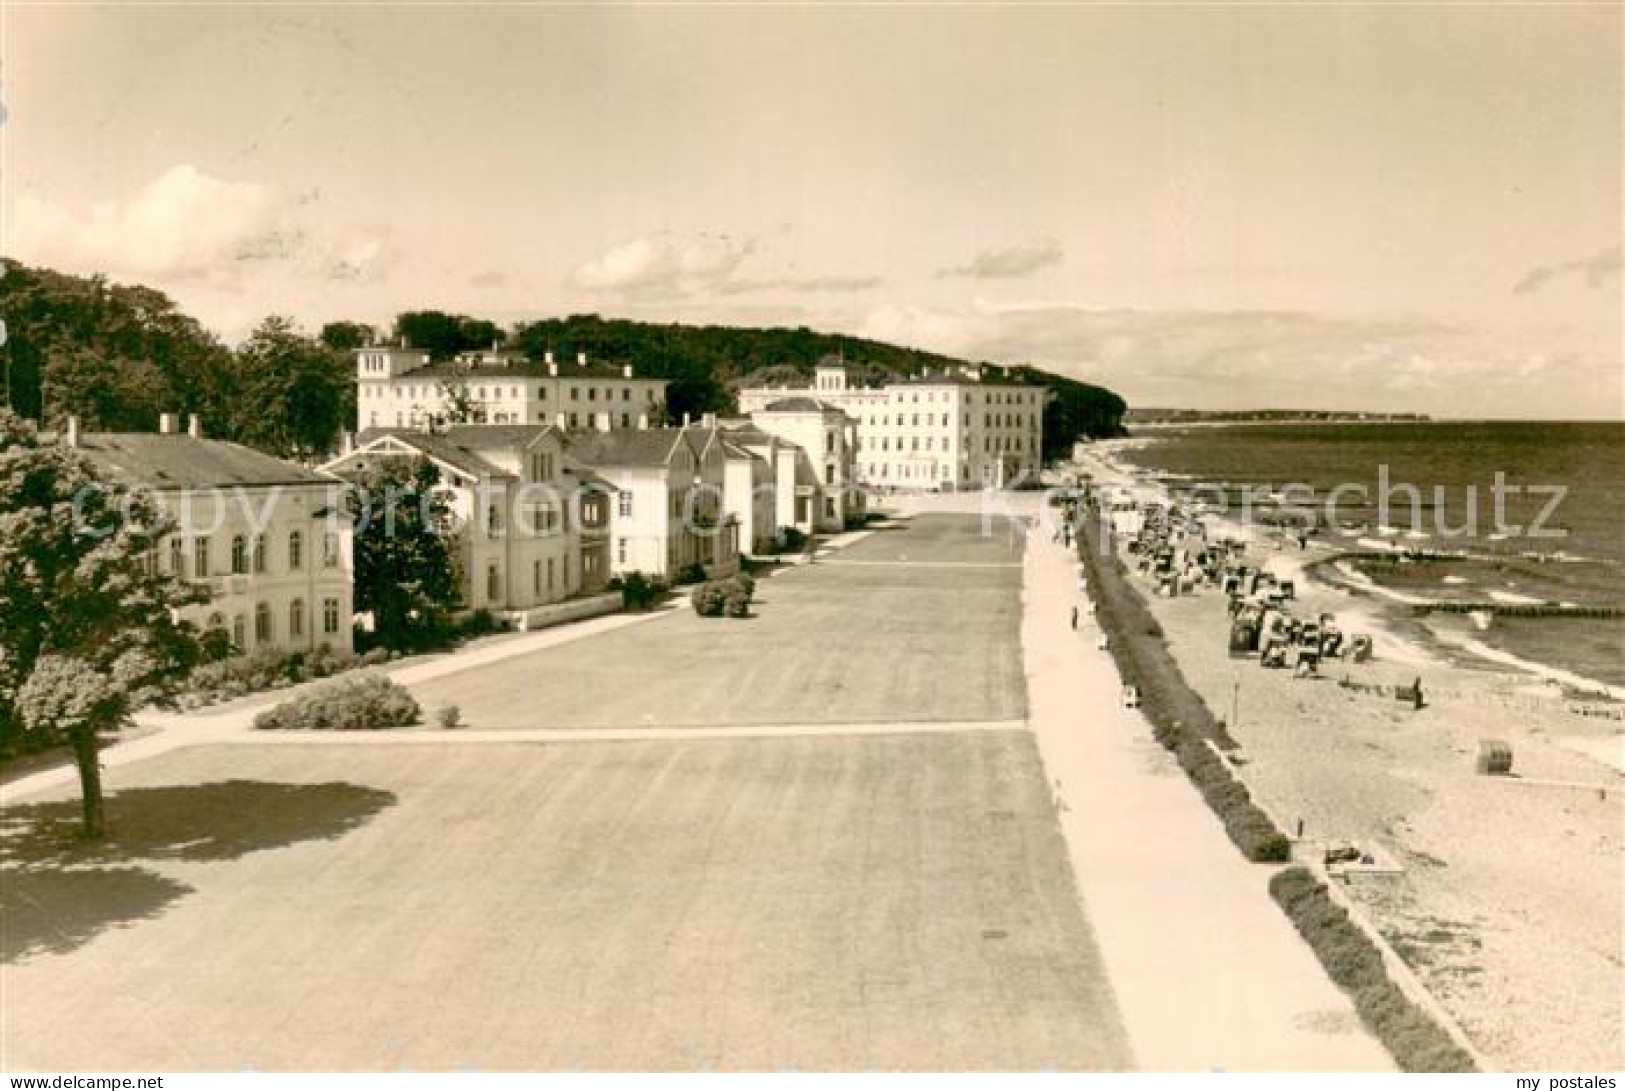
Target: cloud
664,265
1599,270
1006,263
186,226
489,278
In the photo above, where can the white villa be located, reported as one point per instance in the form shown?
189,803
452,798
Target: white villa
669,509
401,387
532,525
269,540
949,430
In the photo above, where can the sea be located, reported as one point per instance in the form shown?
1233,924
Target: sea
1507,513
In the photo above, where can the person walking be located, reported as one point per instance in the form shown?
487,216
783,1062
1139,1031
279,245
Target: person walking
1074,618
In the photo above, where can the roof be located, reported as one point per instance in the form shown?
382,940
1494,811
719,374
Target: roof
801,405
178,461
524,368
745,433
739,454
487,437
628,447
437,446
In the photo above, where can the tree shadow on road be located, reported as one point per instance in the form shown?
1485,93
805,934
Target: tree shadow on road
54,911
217,821
58,892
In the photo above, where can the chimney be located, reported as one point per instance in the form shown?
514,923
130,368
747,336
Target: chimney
552,368
600,421
558,420
346,442
685,420
167,424
193,428
581,358
547,358
709,422
643,422
626,370
71,436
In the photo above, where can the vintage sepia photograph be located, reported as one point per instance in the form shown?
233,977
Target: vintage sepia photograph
855,540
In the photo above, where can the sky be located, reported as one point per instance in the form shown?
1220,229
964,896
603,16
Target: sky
1403,208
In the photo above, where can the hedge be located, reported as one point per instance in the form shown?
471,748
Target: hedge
357,703
1180,719
1416,1041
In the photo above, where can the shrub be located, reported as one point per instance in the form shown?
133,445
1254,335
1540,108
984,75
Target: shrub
449,717
691,573
359,703
479,623
792,540
266,668
709,600
638,592
1416,1041
737,603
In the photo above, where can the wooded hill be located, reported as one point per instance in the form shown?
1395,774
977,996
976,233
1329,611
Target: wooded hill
118,355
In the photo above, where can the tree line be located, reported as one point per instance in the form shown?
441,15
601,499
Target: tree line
118,355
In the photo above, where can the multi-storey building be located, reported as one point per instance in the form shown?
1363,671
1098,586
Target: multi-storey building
826,440
668,512
269,540
531,527
951,429
402,387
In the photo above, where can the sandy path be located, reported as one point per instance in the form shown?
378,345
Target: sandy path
1207,971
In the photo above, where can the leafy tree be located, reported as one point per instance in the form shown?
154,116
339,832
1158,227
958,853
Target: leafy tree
53,316
406,553
88,632
296,394
444,335
345,337
106,393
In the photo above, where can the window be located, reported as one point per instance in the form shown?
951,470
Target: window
626,393
574,421
330,616
829,475
620,550
624,505
177,556
330,549
592,393
626,420
296,550
493,520
535,577
575,394
259,553
550,573
493,583
239,555
262,622
239,631
200,557
296,618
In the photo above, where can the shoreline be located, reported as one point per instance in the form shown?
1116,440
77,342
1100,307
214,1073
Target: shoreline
1435,645
1467,869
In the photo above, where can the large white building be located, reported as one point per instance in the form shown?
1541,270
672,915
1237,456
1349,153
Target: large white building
402,387
269,540
826,439
531,527
949,429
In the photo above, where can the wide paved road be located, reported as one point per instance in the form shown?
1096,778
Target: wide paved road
812,901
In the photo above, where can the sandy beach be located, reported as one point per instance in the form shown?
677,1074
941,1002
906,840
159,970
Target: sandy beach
1504,894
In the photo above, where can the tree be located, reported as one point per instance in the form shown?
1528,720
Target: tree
345,337
406,555
296,394
444,335
89,630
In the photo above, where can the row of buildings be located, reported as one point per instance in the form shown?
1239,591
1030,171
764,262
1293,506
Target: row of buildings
558,480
